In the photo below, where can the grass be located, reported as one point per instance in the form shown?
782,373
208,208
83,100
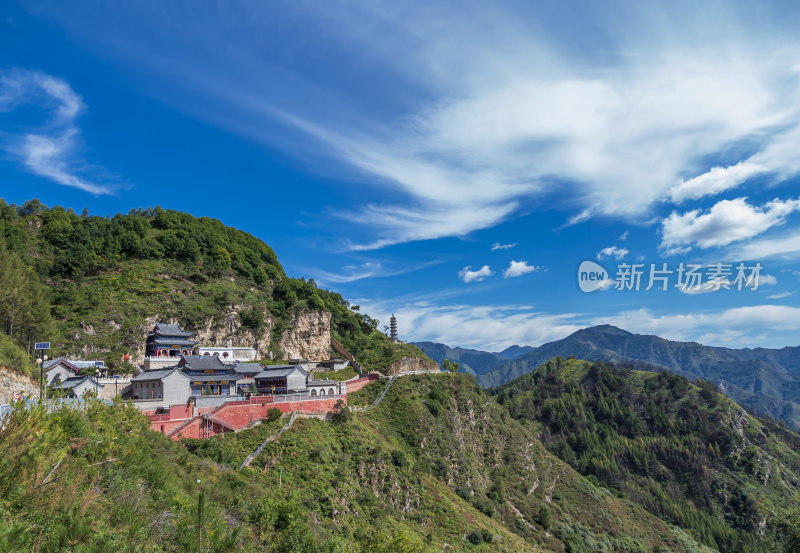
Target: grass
344,374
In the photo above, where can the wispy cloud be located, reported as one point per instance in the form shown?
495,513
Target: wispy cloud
751,326
493,328
519,268
498,246
786,246
779,295
482,109
51,149
468,275
367,269
716,180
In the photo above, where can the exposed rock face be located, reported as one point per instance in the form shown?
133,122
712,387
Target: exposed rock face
147,326
228,331
12,382
308,336
225,330
406,364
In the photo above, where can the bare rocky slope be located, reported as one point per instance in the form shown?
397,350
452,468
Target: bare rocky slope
13,382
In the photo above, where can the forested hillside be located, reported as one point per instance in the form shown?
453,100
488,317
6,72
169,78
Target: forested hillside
93,285
438,466
685,452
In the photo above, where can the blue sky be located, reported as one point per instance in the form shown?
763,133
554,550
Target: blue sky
453,163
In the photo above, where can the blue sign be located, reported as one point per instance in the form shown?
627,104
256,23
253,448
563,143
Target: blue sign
42,345
99,364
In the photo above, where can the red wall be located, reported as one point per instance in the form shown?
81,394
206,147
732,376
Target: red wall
237,415
234,416
356,385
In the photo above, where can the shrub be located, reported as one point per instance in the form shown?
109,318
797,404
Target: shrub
341,413
475,537
545,518
273,414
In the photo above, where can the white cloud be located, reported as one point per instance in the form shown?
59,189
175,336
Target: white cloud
714,181
493,328
624,236
612,251
779,295
519,268
726,222
751,326
767,280
481,108
51,150
468,275
787,246
726,285
498,246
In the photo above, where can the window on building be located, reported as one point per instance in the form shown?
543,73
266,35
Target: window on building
313,392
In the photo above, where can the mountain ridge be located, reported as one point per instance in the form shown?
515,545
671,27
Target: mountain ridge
763,379
471,361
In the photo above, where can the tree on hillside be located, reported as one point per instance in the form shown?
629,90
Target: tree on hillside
24,307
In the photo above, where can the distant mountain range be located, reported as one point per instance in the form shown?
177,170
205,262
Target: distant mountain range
471,361
765,380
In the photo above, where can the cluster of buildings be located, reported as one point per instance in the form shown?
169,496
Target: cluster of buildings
177,370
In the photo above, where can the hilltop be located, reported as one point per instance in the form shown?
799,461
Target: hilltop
684,452
762,379
93,287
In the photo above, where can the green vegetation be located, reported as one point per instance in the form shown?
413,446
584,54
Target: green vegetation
440,462
449,366
24,311
684,452
762,379
437,462
344,374
103,280
100,480
11,355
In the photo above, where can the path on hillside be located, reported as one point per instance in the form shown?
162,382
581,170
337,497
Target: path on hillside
259,449
286,427
377,399
389,385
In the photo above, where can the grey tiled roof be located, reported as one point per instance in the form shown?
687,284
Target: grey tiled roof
77,363
75,381
279,372
203,362
333,383
166,329
248,368
153,374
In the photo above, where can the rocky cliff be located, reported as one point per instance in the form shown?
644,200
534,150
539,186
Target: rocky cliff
408,364
229,331
308,336
12,382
